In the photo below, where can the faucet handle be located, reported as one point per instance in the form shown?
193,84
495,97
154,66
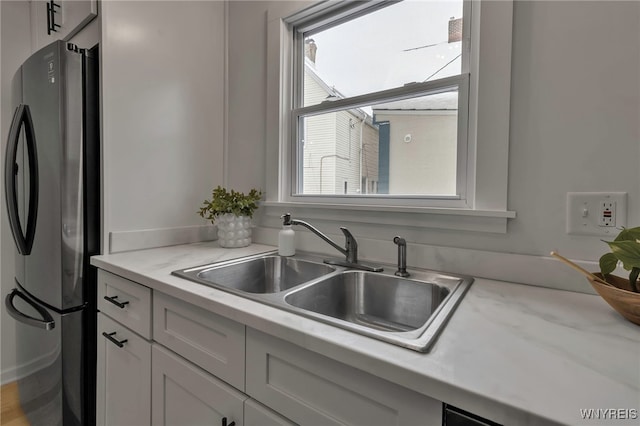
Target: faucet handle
351,245
348,235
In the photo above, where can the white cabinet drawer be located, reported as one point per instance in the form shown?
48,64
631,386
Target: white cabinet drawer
256,414
123,376
311,389
126,302
210,341
184,394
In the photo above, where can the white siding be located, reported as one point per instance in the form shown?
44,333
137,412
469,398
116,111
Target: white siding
332,146
427,164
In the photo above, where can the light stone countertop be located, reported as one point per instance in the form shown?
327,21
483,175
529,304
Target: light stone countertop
512,353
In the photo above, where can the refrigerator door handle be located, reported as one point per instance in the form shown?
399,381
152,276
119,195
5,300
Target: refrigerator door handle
10,172
46,322
21,117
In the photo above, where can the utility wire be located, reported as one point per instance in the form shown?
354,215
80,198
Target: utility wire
443,67
425,46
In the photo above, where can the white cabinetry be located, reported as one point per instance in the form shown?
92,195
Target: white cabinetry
123,376
256,414
66,19
203,368
127,302
208,340
312,389
184,394
124,353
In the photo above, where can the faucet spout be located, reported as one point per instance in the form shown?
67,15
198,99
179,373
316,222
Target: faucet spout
350,250
288,221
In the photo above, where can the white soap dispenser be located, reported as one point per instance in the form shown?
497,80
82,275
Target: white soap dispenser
286,237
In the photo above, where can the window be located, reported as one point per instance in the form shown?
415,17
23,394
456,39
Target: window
360,123
381,95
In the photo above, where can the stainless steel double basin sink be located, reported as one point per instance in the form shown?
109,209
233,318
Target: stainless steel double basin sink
408,312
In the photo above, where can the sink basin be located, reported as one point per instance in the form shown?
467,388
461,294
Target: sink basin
408,312
265,274
380,302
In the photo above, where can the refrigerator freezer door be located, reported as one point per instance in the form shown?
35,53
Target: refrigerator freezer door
52,87
50,385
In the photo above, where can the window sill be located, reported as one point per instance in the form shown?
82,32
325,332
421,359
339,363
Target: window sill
494,221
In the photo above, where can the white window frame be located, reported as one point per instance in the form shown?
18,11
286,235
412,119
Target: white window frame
304,22
483,204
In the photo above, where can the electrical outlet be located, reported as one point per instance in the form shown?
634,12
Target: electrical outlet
607,214
596,213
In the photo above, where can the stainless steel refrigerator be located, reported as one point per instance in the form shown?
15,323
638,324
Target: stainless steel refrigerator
52,198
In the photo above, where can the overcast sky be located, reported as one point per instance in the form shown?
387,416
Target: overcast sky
371,53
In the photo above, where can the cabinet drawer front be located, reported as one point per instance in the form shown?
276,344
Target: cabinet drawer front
128,303
123,376
311,389
256,414
184,394
208,340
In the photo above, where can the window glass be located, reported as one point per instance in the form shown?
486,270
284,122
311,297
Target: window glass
410,41
403,147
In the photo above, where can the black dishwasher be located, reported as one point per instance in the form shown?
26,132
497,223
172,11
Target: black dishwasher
452,416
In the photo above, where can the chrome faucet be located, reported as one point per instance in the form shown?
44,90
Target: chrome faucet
350,251
402,257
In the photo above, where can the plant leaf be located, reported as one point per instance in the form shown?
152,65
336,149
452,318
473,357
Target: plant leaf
628,252
629,234
235,202
608,263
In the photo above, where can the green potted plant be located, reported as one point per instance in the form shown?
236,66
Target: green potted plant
231,211
625,249
621,293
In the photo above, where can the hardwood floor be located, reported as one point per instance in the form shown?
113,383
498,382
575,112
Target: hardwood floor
10,412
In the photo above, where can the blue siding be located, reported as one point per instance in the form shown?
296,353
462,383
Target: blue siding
384,133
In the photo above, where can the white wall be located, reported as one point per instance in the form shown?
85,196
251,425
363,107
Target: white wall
575,114
575,109
163,111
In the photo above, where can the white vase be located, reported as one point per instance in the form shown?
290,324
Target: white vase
233,231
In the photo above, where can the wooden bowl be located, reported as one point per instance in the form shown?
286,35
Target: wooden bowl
619,296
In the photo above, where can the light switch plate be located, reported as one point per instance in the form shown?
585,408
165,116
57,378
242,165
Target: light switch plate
585,213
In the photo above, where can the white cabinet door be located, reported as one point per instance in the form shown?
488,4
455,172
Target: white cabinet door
208,340
256,414
123,376
69,16
185,395
311,389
